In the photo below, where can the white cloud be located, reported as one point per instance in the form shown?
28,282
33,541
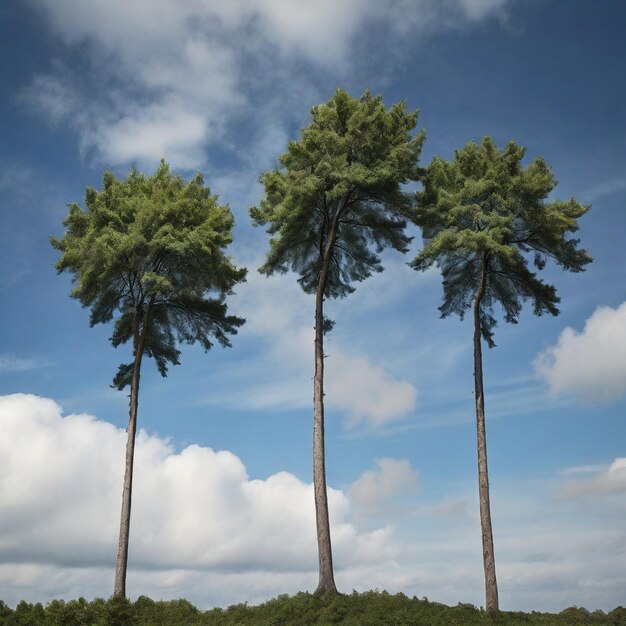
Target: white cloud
392,481
321,31
281,314
161,83
166,79
195,512
204,530
158,129
592,363
581,469
60,498
365,391
602,482
423,18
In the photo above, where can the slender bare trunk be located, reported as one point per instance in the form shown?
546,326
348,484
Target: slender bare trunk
326,576
491,586
121,564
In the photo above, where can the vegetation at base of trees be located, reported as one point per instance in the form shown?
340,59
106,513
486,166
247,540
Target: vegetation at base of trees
358,609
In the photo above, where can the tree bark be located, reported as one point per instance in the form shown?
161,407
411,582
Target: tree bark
491,586
121,564
326,576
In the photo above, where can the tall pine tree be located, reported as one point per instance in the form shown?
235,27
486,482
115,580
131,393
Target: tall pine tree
484,217
332,206
149,252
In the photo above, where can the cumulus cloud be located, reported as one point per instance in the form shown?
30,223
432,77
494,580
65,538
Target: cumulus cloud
167,79
366,392
204,530
193,510
160,128
592,363
392,481
201,528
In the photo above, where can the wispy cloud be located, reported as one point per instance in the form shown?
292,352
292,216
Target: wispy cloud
605,188
16,179
12,364
581,470
280,318
168,80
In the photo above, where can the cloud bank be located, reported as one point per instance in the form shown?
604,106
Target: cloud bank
204,530
193,511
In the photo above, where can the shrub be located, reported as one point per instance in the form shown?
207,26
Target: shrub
373,608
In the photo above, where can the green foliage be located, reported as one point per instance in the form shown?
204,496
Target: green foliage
485,210
372,608
27,614
72,613
150,250
346,171
119,611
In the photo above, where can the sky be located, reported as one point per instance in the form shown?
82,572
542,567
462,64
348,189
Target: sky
223,502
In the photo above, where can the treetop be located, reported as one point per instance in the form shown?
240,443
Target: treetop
151,250
346,171
485,210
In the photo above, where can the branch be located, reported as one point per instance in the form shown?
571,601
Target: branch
342,272
512,277
374,267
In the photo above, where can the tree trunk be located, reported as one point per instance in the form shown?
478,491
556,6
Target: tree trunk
121,564
491,586
326,576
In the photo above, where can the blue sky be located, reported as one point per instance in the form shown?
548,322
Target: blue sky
223,508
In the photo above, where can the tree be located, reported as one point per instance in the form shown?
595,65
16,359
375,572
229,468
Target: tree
335,203
482,215
149,252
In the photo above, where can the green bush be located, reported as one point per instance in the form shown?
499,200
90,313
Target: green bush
119,611
372,608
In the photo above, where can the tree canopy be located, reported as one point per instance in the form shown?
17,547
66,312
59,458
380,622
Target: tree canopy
484,209
347,169
152,247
